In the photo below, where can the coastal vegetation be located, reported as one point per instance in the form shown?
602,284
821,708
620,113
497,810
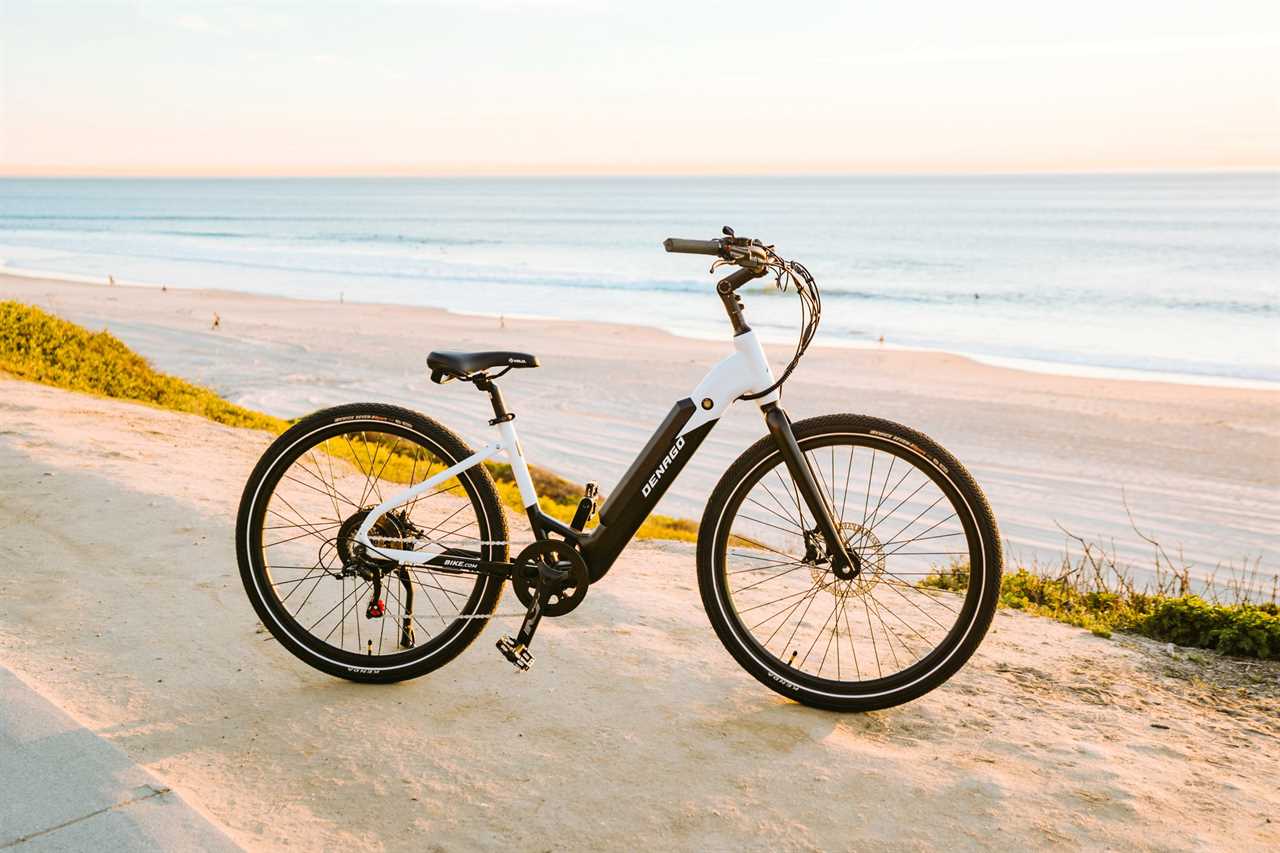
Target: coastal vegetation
41,347
1092,590
1236,615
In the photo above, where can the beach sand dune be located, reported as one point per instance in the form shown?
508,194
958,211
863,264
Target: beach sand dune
1198,465
634,730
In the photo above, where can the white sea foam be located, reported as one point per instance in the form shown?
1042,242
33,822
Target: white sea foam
1130,277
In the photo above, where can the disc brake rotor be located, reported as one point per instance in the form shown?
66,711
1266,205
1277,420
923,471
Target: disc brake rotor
863,542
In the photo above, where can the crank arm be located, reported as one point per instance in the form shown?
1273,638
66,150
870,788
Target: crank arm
516,649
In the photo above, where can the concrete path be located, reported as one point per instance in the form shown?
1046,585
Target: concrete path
64,788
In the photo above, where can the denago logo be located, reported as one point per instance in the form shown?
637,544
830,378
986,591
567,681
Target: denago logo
662,466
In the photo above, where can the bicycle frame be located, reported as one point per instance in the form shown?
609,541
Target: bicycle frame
669,449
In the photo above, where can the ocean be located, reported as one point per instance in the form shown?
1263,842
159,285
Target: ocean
1174,276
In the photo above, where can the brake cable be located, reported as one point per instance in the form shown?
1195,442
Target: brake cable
789,273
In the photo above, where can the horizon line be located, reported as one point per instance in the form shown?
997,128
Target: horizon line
249,174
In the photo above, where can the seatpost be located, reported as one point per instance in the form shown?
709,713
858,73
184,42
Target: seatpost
500,413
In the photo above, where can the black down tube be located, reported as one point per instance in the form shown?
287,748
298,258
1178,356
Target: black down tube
648,478
843,564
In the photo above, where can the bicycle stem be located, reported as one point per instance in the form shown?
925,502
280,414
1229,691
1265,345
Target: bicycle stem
727,288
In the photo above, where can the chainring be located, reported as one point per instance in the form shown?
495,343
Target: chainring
565,593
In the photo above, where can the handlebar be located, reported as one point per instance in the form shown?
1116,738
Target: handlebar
743,251
693,247
755,260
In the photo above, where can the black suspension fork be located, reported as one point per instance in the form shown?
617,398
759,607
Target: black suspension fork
844,564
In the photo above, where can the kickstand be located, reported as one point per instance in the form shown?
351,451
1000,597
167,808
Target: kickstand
517,650
406,627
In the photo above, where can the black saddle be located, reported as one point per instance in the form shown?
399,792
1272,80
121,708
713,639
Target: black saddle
462,364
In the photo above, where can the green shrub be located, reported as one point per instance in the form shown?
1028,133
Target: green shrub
40,347
952,578
1245,629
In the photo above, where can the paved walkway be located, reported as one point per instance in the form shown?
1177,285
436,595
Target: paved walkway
64,788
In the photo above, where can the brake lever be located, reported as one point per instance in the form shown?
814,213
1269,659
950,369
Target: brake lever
753,257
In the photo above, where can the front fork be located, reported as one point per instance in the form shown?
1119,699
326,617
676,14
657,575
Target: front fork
844,564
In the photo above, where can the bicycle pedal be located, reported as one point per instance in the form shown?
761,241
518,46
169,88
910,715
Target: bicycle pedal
516,653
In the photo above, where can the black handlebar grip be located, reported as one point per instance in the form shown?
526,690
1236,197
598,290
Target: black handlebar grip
692,247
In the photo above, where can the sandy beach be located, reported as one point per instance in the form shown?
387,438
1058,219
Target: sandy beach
265,578
633,731
1198,465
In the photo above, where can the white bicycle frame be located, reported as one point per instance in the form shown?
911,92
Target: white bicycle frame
745,371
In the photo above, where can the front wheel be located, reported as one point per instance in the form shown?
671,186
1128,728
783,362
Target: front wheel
928,554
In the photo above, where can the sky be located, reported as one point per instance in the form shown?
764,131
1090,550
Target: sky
591,87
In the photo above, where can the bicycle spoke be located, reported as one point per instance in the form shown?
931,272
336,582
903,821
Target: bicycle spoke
870,599
771,577
781,599
872,633
330,487
774,512
818,635
847,474
413,616
793,494
781,506
761,568
765,523
853,647
310,508
301,535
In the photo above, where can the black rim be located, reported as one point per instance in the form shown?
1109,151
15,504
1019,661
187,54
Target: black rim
910,605
309,571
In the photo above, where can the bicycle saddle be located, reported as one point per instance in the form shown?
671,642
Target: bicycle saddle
467,363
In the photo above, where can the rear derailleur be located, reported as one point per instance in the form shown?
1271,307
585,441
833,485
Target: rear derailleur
357,562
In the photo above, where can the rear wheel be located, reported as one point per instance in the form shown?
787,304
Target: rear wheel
336,607
925,541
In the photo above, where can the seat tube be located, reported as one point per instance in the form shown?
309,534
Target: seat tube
515,454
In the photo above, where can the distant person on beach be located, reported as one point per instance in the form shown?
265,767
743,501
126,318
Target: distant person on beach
217,321
111,281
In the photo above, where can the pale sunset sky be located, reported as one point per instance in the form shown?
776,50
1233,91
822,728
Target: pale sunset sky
586,86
